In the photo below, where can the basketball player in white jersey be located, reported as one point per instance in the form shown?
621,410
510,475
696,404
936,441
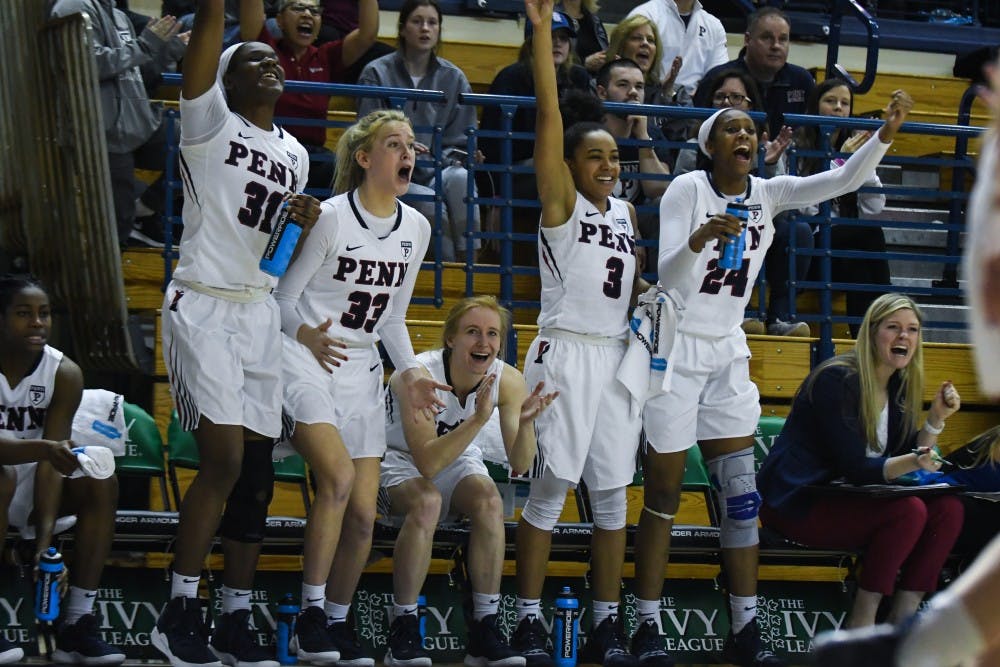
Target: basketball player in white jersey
587,261
961,624
221,328
434,467
350,287
40,391
712,401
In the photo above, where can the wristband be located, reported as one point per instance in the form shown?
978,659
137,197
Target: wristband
932,430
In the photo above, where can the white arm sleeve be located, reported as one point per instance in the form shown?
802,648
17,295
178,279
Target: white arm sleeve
393,332
676,258
789,192
301,271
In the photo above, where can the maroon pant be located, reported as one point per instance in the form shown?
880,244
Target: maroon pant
911,535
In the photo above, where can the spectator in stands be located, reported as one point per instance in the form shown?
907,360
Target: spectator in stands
834,97
686,30
961,624
299,21
855,418
591,36
785,87
434,468
330,302
133,130
416,65
588,272
221,328
636,39
340,19
35,454
517,79
712,400
185,10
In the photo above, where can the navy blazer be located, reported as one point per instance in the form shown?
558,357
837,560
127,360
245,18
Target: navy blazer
823,440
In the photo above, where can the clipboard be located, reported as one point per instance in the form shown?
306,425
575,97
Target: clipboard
883,490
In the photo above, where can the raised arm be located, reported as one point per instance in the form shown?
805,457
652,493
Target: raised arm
363,37
251,19
202,58
556,190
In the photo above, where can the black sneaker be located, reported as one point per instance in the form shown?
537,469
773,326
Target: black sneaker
873,646
10,652
234,642
345,638
529,639
181,634
311,642
80,643
647,646
405,646
606,645
487,647
745,649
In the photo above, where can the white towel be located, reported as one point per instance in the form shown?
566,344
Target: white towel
645,370
100,421
96,462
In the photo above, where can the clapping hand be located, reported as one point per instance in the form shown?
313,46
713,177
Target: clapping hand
898,109
535,403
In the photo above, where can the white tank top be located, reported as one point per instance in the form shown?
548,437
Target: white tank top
23,408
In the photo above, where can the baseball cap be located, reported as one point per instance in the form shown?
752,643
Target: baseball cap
559,22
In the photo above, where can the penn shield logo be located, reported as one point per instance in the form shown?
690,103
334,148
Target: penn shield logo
293,157
36,393
407,248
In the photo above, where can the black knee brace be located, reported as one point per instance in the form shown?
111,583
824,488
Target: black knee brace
246,508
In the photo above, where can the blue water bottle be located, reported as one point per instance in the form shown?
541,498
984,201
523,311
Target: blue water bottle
731,252
422,615
50,566
281,245
565,627
288,611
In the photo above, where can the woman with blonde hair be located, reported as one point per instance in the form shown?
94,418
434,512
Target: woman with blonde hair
636,38
349,289
856,417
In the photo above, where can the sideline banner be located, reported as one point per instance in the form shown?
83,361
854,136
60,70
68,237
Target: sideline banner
693,614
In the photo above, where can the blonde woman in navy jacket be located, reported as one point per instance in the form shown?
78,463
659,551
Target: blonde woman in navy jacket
855,418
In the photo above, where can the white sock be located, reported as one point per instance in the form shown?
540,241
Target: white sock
182,586
646,610
484,604
404,609
743,609
602,610
313,596
79,602
234,599
526,607
336,613
943,634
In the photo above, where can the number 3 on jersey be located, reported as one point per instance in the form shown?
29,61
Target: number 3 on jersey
718,277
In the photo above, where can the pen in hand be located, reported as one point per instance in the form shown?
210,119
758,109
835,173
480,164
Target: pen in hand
920,451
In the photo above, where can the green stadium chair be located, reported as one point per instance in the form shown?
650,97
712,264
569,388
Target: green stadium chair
768,429
182,452
143,450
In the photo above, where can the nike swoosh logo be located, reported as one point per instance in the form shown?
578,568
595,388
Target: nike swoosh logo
352,248
494,600
372,369
242,136
241,595
190,581
313,599
587,215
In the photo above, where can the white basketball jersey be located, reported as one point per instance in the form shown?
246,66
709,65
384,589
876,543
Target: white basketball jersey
235,177
349,273
454,412
587,269
23,408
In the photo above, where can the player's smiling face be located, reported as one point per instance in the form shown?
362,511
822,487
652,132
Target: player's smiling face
896,339
26,321
254,69
733,143
389,163
477,343
595,167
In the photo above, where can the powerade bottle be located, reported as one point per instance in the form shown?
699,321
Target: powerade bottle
281,245
288,611
50,566
565,627
422,615
731,253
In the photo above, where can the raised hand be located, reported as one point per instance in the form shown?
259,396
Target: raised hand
773,150
323,346
667,84
856,141
538,11
421,391
945,403
535,403
484,402
898,109
165,27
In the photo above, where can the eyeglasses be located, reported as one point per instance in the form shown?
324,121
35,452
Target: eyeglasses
731,99
301,8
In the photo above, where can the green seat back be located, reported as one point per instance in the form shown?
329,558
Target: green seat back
181,446
768,429
290,469
695,473
143,444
